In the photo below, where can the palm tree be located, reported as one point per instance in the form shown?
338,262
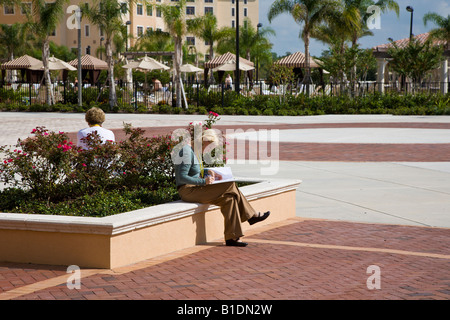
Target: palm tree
174,19
442,32
362,6
43,22
206,28
13,39
107,16
310,13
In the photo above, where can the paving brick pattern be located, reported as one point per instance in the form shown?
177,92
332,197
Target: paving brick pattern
283,267
294,259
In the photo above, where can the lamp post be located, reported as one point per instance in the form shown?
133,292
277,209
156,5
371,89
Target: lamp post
410,9
80,96
126,34
237,85
101,48
259,25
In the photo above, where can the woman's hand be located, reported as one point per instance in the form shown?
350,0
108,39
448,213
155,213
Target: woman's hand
215,175
209,179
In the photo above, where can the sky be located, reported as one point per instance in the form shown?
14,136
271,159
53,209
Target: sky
391,26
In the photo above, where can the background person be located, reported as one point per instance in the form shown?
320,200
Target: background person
95,118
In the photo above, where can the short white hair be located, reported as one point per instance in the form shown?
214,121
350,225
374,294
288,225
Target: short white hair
210,135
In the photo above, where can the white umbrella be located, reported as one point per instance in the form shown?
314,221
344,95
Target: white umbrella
190,68
53,64
230,65
146,64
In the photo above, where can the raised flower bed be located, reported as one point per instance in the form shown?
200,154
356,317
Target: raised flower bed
126,238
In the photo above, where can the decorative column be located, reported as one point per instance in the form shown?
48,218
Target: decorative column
381,67
444,75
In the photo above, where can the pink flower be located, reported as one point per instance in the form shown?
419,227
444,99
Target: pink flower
84,164
33,131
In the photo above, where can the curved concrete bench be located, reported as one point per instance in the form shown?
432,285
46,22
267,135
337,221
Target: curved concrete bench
129,237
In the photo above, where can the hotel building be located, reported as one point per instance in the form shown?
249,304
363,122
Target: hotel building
140,18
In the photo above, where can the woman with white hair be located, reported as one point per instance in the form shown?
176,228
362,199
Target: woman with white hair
95,118
195,184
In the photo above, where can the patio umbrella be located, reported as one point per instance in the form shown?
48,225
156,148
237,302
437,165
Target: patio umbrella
146,64
190,68
230,65
53,64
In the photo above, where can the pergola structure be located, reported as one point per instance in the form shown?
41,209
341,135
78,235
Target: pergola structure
90,65
24,63
220,60
297,61
381,54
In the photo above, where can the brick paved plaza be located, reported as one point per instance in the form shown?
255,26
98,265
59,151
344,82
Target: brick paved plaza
303,258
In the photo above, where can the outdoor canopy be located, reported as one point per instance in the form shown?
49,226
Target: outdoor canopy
24,63
90,65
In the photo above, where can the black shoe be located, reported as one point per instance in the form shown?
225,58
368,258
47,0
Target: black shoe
254,220
235,243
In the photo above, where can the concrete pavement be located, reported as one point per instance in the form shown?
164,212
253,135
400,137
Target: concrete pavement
351,215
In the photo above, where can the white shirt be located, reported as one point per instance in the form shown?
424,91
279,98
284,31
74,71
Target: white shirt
104,134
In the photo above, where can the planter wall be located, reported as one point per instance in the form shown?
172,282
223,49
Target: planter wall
130,237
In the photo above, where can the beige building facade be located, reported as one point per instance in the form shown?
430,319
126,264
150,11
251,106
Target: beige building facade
140,18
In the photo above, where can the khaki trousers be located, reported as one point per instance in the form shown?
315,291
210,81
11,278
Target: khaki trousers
234,206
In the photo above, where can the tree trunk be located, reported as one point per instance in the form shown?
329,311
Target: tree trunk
48,81
178,61
307,79
211,55
112,85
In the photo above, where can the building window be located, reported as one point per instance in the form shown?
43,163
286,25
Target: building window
158,12
190,10
190,41
149,10
53,33
209,10
88,50
232,1
209,1
232,12
86,30
245,12
149,29
233,24
245,1
139,9
140,31
207,43
8,9
123,7
245,24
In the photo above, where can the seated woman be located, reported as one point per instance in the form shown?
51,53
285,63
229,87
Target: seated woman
95,118
196,186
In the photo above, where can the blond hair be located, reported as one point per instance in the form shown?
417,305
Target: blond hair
95,116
